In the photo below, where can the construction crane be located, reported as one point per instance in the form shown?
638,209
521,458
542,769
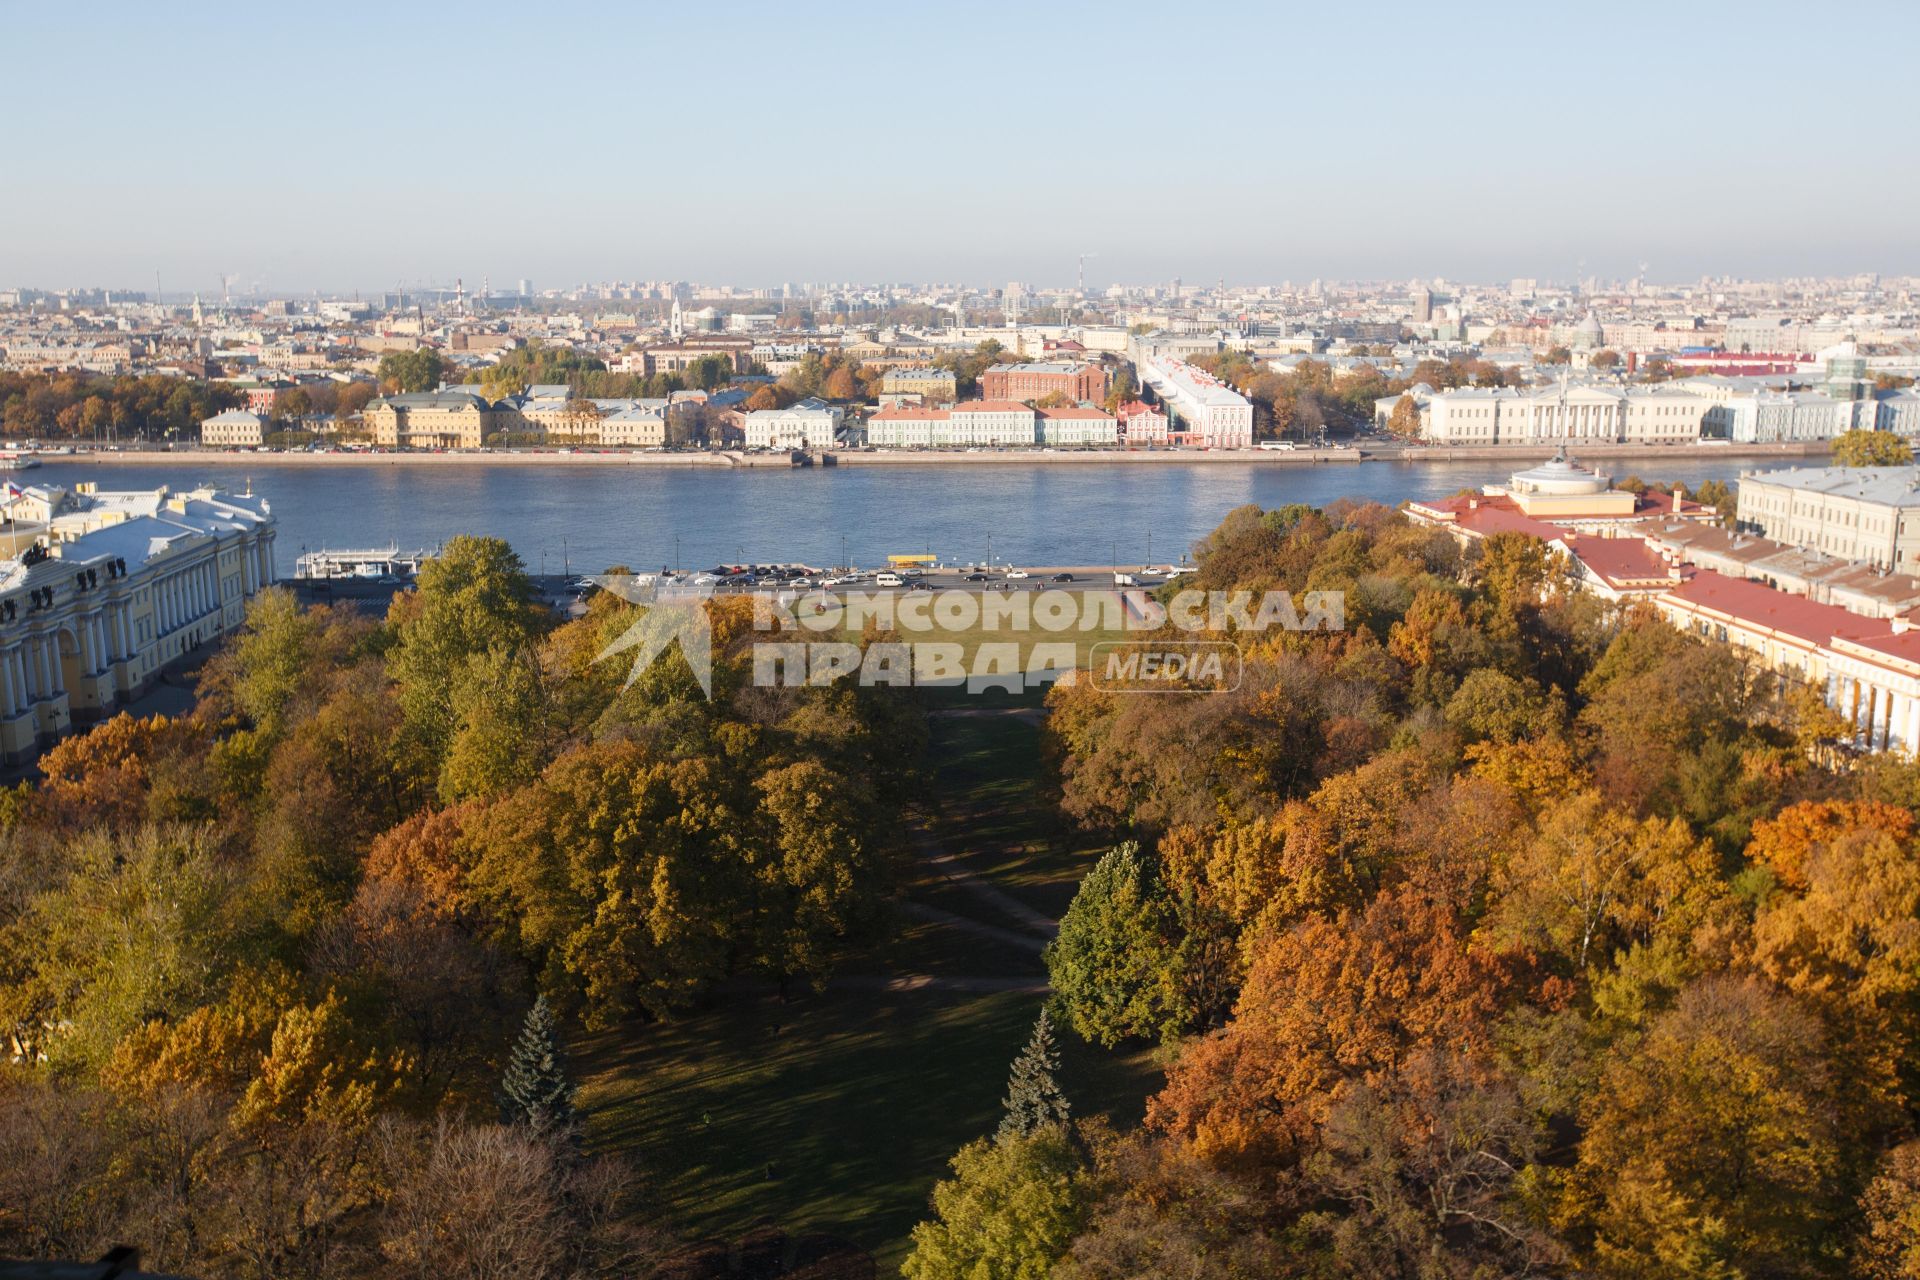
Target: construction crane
1083,271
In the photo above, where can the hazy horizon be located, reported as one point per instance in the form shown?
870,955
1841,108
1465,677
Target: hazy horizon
378,147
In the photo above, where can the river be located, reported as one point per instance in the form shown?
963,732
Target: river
586,518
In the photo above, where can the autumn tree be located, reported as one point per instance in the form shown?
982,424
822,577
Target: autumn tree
1888,1244
1434,1165
500,1200
840,385
1305,1024
1712,1143
614,874
1860,448
1404,421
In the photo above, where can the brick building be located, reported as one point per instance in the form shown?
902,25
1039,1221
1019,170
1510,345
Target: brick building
1077,382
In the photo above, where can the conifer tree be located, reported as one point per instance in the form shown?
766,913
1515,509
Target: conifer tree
535,1090
1033,1095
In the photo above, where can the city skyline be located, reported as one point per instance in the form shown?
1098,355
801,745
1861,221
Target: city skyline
979,146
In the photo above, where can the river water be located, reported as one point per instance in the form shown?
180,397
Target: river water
585,518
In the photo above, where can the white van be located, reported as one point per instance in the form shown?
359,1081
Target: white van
1124,580
886,580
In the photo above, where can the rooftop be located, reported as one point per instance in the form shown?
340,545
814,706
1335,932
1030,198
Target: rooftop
1757,604
1890,486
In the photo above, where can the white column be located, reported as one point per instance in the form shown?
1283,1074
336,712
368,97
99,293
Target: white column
101,654
22,678
123,634
7,702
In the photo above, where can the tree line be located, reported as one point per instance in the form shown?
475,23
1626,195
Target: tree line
86,406
1504,933
283,980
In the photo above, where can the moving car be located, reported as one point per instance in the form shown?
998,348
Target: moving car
1063,577
887,580
1013,575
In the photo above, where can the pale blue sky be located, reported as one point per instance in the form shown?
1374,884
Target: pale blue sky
352,145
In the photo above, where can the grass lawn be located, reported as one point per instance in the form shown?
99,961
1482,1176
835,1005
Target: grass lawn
831,1113
995,812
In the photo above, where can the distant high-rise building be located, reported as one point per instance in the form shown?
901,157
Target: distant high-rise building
526,287
1422,305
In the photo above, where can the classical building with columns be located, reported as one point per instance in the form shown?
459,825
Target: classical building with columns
102,589
1867,669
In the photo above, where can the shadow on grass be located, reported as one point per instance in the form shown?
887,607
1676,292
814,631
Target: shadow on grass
997,810
832,1113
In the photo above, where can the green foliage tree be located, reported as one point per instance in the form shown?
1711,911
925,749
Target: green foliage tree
144,926
1010,1211
422,369
1034,1099
1113,964
535,1090
499,736
273,658
471,598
